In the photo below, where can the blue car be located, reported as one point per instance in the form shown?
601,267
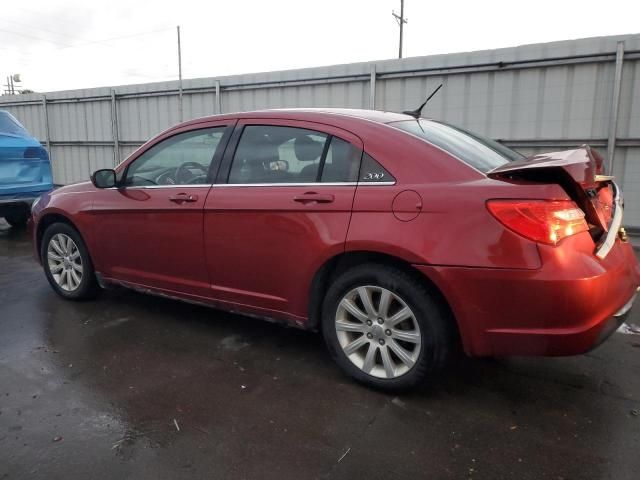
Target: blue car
25,170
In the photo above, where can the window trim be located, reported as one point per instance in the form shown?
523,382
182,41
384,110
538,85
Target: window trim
365,182
224,171
247,185
306,184
323,158
228,161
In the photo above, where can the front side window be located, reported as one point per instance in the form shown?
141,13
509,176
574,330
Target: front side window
183,159
474,150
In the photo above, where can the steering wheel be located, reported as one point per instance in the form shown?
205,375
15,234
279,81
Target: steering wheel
184,169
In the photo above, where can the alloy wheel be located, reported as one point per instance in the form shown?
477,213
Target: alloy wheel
378,332
65,262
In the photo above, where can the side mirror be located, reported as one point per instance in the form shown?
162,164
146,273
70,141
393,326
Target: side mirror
104,178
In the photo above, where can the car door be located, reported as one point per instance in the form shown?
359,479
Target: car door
149,229
280,207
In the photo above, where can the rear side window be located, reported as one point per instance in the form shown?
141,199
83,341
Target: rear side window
274,154
472,149
341,163
372,171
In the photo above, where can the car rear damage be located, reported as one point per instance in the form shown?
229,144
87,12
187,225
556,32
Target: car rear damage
580,173
588,276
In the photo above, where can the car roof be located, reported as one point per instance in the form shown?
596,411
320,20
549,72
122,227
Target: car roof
311,114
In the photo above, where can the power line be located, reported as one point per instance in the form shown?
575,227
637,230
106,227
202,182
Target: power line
161,76
48,17
91,42
117,38
26,35
33,59
39,28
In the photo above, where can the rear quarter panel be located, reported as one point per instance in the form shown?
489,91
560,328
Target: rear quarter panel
453,227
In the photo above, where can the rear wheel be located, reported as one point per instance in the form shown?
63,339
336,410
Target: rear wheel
67,264
384,328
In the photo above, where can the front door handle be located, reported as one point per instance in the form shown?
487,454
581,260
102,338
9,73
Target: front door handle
313,197
183,197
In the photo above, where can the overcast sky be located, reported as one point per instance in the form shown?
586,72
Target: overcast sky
68,44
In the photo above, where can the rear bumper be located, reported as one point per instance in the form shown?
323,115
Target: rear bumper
567,307
8,205
22,198
17,201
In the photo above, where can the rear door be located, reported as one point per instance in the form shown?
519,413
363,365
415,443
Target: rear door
149,231
280,207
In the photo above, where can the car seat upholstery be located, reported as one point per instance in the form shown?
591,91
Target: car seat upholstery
307,150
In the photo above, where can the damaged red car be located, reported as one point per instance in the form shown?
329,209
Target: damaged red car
401,239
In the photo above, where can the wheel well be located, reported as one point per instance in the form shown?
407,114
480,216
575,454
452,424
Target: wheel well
337,265
45,222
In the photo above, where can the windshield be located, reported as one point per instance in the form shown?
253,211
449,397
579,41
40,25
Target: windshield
10,126
479,152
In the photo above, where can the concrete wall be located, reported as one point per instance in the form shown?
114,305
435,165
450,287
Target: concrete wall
534,97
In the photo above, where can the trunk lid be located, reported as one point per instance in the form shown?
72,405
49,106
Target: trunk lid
580,173
581,164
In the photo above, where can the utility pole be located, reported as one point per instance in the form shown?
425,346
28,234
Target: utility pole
401,21
180,76
12,80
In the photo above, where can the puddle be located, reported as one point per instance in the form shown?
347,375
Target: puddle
629,329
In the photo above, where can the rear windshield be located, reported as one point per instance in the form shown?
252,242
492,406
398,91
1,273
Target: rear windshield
479,152
10,126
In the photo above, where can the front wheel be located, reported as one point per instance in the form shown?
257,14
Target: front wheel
385,328
67,263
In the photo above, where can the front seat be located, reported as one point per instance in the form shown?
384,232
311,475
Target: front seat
307,149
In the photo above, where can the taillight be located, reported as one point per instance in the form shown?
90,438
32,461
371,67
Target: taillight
35,152
544,221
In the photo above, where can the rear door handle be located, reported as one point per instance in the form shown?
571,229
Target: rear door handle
312,197
183,197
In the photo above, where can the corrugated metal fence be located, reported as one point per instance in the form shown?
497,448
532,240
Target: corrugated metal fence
534,97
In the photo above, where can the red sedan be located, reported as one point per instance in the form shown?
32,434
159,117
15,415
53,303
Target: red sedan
399,238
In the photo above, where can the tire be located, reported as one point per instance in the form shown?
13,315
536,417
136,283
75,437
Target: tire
17,219
61,241
426,320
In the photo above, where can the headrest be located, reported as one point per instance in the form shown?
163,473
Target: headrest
307,149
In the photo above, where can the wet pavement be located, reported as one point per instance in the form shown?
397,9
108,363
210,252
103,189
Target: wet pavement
131,386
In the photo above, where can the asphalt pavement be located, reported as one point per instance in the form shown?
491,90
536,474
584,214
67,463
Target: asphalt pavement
136,387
